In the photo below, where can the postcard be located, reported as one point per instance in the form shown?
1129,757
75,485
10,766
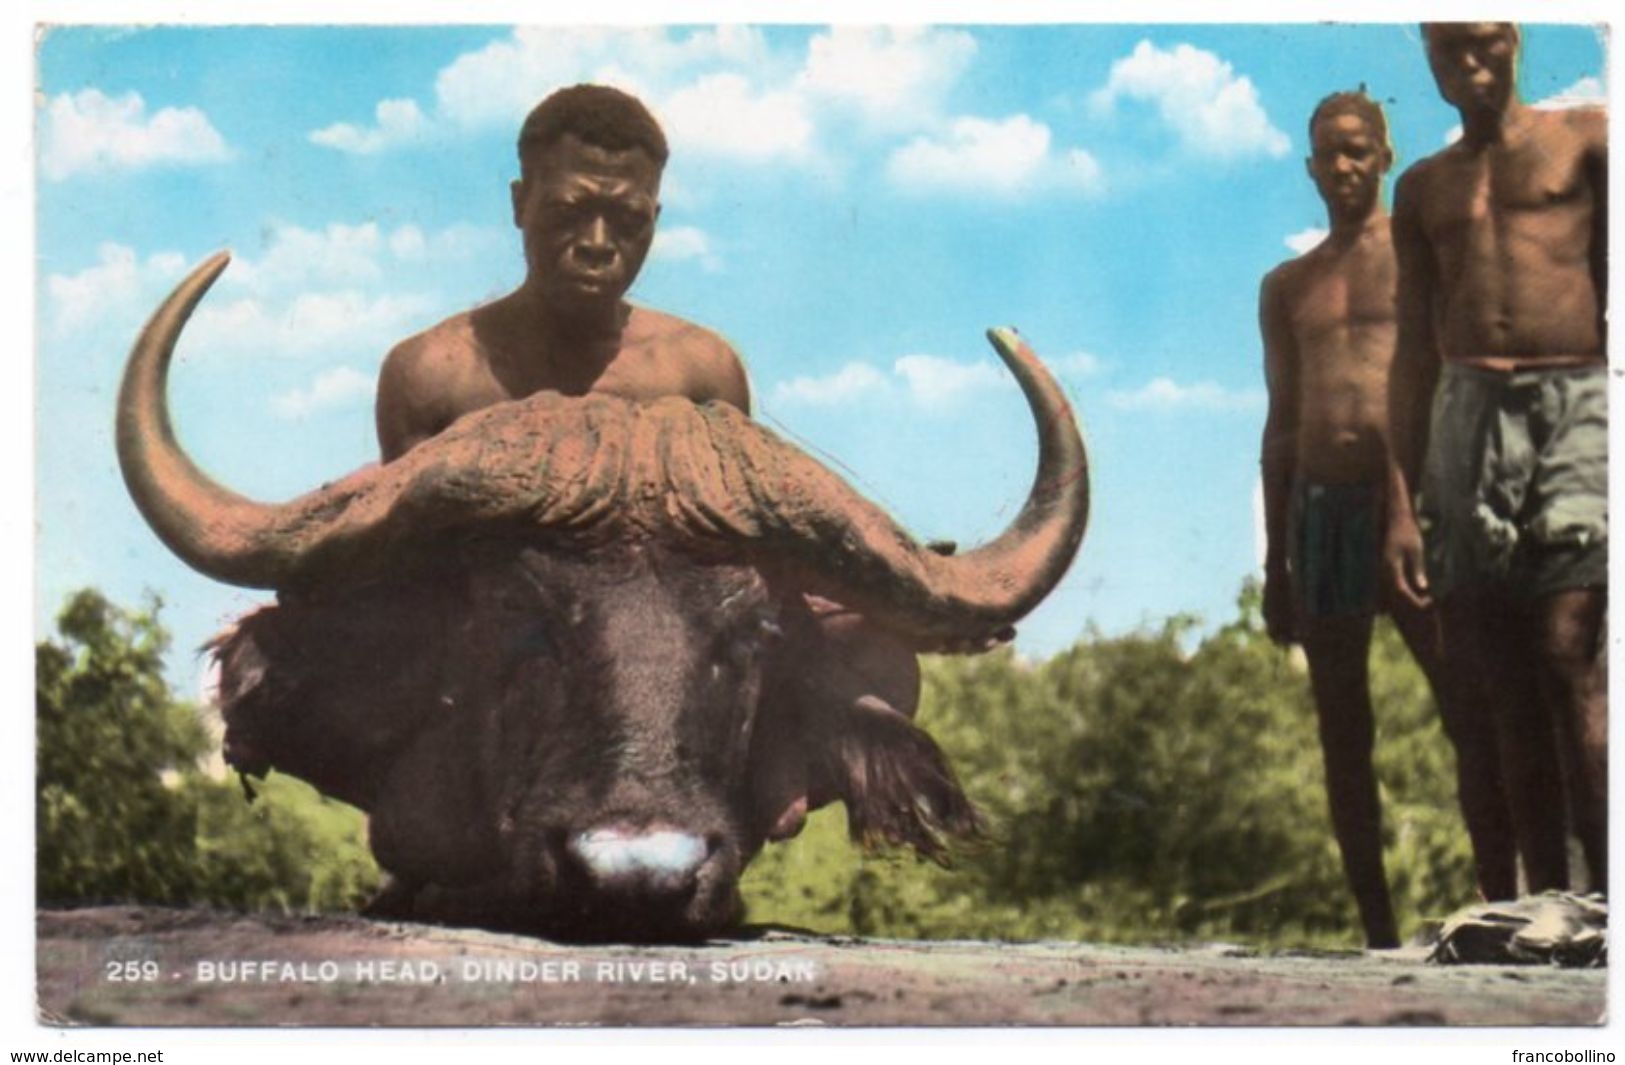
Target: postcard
799,525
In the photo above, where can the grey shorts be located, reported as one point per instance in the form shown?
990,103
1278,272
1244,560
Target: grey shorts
1514,494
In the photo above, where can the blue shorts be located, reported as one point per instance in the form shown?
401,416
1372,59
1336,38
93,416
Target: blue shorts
1335,548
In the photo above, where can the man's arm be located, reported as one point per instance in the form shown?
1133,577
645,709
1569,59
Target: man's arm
720,373
1595,127
1410,388
1279,453
403,411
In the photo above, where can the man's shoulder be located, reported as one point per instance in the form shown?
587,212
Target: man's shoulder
1283,280
1427,168
647,327
441,346
706,364
1423,175
1587,125
647,322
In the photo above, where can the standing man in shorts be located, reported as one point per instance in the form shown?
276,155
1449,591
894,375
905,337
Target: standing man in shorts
1328,320
1499,406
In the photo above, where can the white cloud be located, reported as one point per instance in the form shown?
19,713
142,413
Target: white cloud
852,381
399,122
981,156
345,321
503,80
680,243
114,289
722,115
936,382
894,77
690,79
723,92
1077,364
91,132
341,255
225,323
464,242
930,382
407,243
1212,110
332,388
338,254
1166,394
321,315
341,289
1078,169
1305,239
1587,92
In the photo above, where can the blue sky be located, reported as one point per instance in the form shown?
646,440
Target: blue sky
851,208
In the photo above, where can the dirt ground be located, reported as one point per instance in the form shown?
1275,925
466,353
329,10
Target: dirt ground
143,966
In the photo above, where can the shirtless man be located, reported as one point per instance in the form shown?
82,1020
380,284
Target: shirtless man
1499,407
586,203
1328,321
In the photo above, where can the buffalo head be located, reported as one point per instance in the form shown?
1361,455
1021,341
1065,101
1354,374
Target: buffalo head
562,653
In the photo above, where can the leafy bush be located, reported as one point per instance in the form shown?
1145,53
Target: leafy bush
1140,791
1146,787
124,811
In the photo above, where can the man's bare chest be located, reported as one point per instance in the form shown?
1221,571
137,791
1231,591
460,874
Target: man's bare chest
1502,188
1355,295
640,373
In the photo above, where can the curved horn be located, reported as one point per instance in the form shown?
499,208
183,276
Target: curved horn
864,559
210,527
561,473
599,467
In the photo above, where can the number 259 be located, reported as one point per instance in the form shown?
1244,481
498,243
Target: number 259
131,971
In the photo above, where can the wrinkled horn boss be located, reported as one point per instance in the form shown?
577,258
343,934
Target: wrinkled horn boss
562,469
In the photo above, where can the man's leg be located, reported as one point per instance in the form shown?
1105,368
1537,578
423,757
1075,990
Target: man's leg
1468,724
1489,651
1575,692
1337,649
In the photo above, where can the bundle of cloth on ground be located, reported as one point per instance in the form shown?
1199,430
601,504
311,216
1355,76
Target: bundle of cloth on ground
1554,928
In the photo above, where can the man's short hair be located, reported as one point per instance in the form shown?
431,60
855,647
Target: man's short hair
599,115
1431,29
1355,103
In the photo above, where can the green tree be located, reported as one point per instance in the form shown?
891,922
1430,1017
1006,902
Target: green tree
112,743
1140,788
124,812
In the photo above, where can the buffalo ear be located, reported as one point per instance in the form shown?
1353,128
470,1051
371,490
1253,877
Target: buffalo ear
329,691
894,779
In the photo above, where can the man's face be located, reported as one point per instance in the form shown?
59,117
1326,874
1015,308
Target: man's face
1474,64
588,216
1348,163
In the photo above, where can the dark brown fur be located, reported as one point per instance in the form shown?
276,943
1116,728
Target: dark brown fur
481,710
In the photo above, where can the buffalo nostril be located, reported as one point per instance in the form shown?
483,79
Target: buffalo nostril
658,862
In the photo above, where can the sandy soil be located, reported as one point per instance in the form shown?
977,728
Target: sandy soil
143,966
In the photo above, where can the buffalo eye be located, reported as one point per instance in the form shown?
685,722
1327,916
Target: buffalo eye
522,624
528,637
